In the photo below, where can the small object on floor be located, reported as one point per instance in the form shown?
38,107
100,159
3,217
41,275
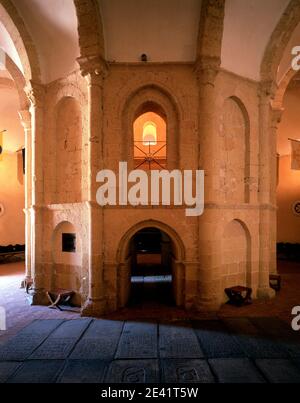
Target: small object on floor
58,297
275,282
239,295
28,283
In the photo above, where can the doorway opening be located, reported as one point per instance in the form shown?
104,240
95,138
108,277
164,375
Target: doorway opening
151,268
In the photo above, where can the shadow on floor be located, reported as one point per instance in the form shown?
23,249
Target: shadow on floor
234,350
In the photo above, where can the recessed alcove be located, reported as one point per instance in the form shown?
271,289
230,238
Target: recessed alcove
67,259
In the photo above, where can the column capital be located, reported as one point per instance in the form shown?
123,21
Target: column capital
276,116
25,118
207,69
267,90
94,69
35,93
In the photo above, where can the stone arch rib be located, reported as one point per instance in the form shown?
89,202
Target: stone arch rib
90,28
123,243
23,42
279,40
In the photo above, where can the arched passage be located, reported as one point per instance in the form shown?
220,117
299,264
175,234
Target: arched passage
279,90
150,252
12,173
15,143
287,195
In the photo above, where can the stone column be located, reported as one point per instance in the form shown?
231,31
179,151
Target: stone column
94,70
207,69
268,121
208,291
204,282
25,118
35,93
276,115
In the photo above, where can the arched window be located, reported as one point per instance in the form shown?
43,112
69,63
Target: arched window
149,134
150,141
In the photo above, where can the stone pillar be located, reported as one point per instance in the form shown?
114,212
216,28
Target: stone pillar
25,118
268,121
94,70
35,93
276,115
207,69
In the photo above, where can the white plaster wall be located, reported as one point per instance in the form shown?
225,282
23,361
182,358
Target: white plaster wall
166,30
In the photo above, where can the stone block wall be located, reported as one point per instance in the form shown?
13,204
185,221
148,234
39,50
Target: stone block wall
219,249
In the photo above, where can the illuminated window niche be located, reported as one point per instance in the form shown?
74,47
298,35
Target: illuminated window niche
150,142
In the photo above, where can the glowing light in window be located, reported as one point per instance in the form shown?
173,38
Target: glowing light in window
149,134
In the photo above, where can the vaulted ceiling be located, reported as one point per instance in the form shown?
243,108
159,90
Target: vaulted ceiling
53,28
166,30
248,26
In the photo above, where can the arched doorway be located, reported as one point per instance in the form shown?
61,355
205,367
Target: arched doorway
151,266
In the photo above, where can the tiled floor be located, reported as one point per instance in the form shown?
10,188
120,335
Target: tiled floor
242,350
150,342
18,312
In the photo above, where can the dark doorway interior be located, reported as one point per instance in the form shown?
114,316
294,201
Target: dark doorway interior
151,270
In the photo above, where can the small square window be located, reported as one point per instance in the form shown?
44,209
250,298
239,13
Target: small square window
69,243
